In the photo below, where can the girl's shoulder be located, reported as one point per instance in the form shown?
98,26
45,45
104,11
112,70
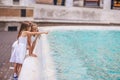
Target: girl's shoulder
24,33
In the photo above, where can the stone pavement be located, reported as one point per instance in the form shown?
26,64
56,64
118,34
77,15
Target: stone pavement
6,40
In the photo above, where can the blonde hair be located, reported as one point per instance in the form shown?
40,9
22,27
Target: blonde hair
34,26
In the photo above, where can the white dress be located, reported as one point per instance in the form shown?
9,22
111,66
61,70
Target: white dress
32,38
19,49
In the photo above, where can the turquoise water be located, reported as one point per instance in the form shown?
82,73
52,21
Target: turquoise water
86,54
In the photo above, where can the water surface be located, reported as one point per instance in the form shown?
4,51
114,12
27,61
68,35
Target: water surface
86,54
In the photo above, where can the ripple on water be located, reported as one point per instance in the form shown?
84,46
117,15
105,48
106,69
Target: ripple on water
86,55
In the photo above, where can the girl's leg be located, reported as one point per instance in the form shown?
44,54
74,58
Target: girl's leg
31,52
19,68
15,70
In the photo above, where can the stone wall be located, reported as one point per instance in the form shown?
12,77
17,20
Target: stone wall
5,25
29,13
27,2
11,24
45,1
78,3
6,2
76,15
60,14
2,26
14,12
9,12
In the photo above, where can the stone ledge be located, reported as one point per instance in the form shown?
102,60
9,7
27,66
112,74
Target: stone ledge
16,19
75,15
16,6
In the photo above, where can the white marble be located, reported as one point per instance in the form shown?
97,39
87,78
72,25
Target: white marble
101,3
79,3
27,2
107,4
30,69
76,15
7,2
69,3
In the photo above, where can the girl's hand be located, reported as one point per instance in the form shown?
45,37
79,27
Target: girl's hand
46,32
33,55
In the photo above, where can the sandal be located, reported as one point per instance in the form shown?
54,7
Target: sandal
15,78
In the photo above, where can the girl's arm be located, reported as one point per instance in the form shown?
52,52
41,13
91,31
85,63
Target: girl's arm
30,47
34,42
36,33
29,44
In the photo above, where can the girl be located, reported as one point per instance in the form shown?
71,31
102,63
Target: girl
34,28
21,47
12,60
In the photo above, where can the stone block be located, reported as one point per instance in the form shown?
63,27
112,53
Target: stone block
45,1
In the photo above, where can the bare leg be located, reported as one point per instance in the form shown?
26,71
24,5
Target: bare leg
31,52
15,70
19,66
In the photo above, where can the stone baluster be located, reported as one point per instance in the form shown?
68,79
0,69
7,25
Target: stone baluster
69,3
107,4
